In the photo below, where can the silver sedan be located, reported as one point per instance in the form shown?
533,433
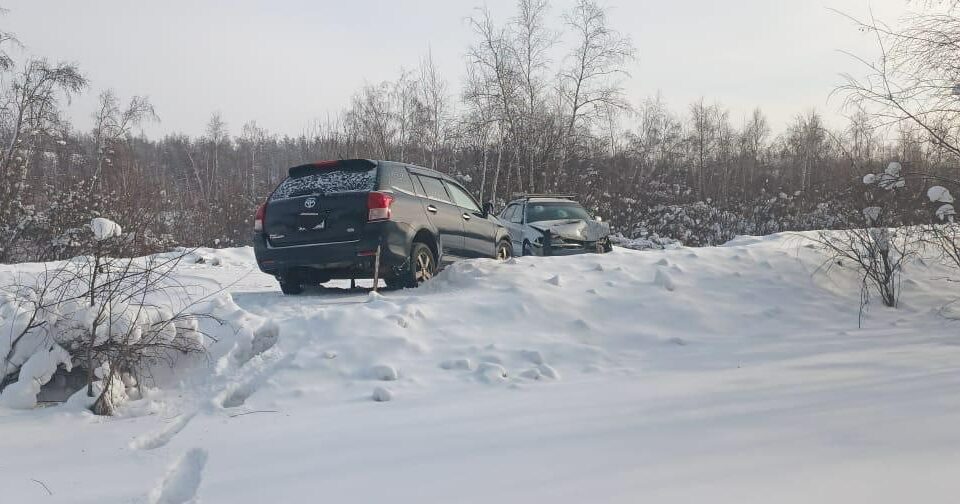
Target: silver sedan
554,226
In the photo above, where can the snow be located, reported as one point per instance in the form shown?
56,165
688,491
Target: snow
182,481
749,381
939,194
382,394
890,179
104,228
36,371
326,182
946,212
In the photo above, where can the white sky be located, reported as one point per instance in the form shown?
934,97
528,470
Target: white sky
285,63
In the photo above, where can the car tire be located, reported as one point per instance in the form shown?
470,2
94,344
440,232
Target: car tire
421,266
290,285
504,250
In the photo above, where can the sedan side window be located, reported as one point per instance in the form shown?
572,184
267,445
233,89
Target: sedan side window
462,199
434,188
517,217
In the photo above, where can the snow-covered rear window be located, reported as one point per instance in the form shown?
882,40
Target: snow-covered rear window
327,182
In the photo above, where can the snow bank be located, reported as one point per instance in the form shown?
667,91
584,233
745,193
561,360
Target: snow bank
607,386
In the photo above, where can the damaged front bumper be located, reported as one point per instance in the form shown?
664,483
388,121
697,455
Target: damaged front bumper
553,245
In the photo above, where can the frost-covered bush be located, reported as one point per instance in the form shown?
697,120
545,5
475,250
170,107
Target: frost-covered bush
671,212
874,248
113,317
646,241
58,225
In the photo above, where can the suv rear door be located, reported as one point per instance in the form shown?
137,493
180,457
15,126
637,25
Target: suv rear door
443,214
322,204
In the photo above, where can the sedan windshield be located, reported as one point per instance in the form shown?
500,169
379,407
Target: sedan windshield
539,212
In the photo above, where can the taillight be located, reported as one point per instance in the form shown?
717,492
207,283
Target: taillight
258,218
378,206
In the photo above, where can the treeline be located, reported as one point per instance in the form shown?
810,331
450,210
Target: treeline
542,109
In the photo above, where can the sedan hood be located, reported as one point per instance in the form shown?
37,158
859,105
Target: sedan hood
574,229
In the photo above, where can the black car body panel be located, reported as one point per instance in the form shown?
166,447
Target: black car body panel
317,223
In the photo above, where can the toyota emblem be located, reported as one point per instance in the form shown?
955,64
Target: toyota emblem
310,203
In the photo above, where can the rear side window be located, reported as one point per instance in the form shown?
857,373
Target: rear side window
507,213
326,182
434,188
397,178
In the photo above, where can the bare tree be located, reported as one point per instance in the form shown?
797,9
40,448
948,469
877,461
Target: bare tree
435,101
113,125
592,76
29,116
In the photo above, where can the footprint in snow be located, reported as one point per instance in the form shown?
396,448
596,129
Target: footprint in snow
182,481
159,439
254,377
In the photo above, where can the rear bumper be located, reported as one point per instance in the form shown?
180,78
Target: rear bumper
352,259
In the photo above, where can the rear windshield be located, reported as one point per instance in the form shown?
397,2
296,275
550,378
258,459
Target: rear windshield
538,212
326,182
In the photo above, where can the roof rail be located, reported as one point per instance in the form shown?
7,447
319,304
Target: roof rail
538,195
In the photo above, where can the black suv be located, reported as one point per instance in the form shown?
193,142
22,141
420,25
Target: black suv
326,220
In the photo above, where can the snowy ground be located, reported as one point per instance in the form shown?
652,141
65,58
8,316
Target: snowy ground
727,374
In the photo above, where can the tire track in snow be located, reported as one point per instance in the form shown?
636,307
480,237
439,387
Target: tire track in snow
182,481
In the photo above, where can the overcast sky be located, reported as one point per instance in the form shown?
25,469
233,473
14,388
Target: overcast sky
285,63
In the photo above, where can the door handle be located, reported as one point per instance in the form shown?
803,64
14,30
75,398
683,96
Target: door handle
466,216
431,209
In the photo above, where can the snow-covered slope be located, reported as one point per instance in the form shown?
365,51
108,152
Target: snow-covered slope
728,374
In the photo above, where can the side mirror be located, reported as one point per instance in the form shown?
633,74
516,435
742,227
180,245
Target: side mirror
598,219
488,209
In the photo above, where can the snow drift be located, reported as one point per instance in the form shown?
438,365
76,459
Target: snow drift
727,374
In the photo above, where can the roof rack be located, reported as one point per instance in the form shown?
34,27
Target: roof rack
529,195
